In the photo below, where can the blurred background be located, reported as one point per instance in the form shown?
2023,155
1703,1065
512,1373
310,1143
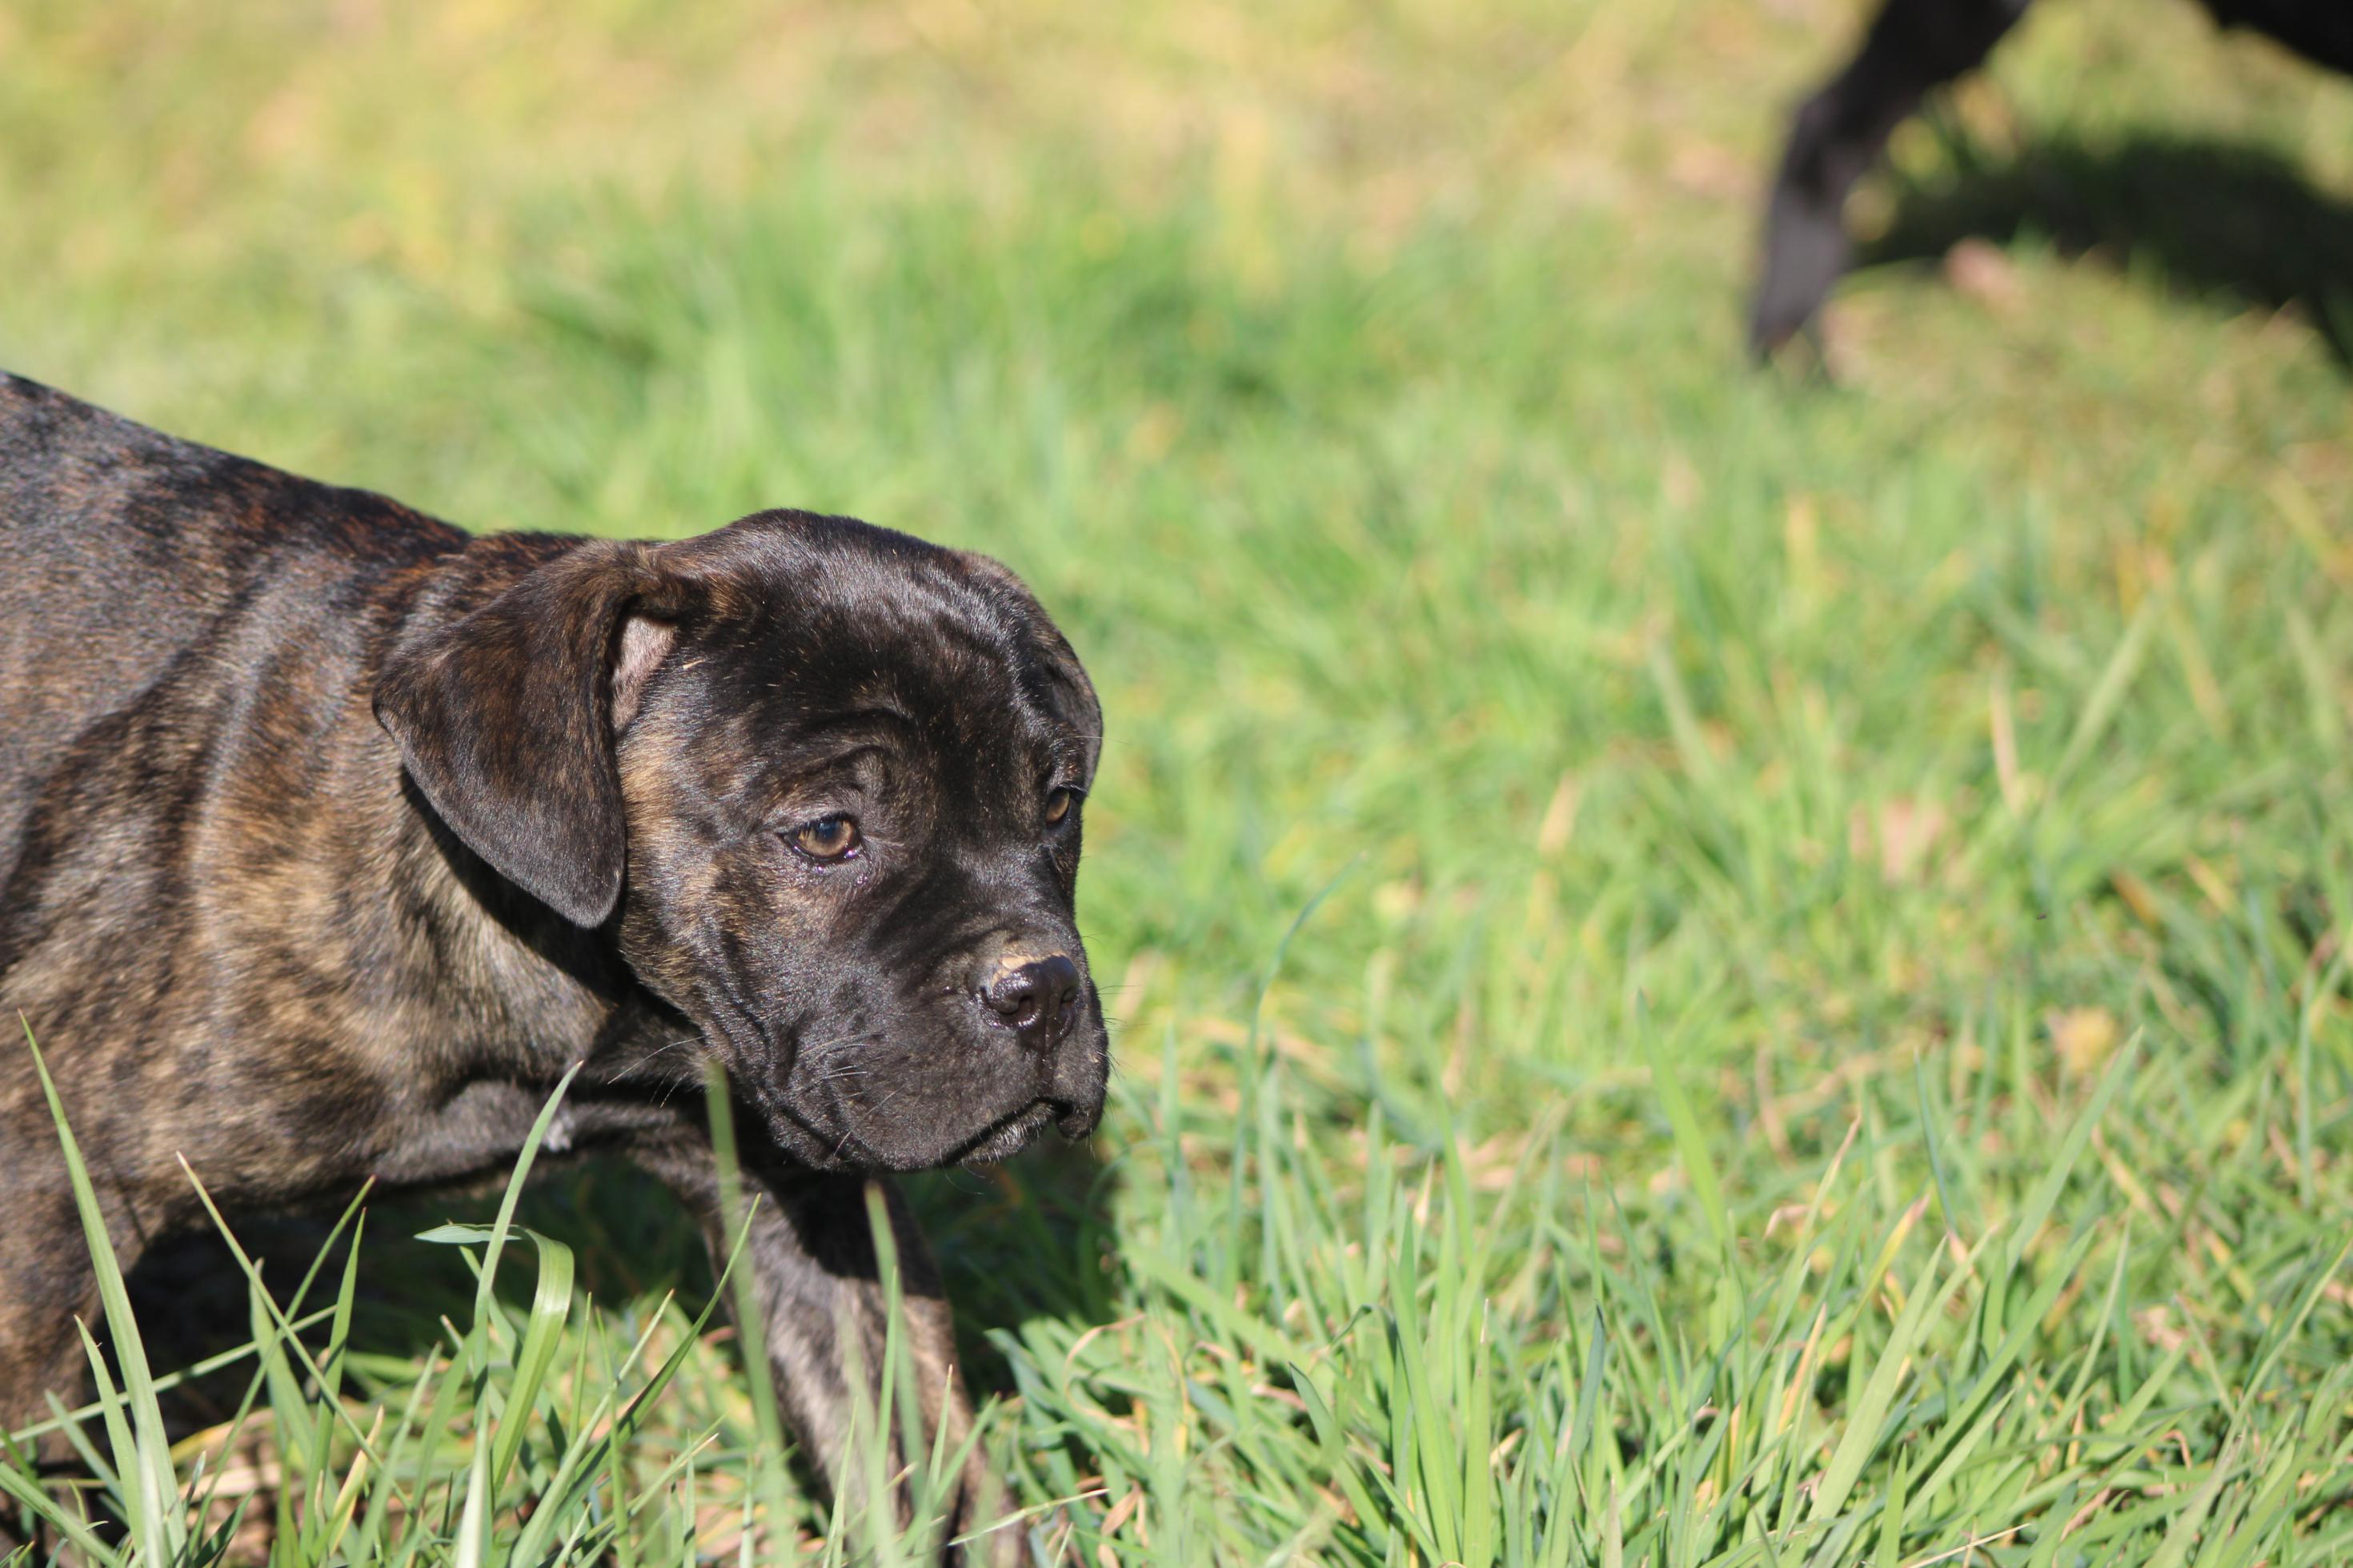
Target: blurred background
1361,386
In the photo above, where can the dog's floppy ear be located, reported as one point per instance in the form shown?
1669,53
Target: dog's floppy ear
506,719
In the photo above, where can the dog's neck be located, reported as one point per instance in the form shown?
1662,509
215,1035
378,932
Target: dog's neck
478,978
517,990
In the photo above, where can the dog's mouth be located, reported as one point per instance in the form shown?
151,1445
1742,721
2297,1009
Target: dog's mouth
1006,1137
839,1147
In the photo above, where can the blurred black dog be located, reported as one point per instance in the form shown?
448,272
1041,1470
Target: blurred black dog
330,836
1913,46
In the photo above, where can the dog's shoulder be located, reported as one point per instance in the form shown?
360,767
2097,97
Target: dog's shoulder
71,467
64,461
77,481
135,560
36,422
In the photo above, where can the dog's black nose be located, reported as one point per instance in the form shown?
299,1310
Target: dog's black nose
1035,997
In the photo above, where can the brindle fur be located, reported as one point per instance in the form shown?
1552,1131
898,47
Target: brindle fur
330,836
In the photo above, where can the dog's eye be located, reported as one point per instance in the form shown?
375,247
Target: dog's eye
1058,806
828,837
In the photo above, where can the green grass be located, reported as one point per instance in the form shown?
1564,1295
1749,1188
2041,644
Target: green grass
1710,967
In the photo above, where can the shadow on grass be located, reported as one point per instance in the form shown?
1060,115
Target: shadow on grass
1024,1240
2207,218
629,1237
1030,1239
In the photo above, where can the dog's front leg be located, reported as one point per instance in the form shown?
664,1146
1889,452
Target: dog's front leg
1913,46
810,1251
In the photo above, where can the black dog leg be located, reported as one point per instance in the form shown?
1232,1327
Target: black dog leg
812,1254
1913,46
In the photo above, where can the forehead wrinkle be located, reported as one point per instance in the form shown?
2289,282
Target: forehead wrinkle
955,663
864,746
1041,694
971,683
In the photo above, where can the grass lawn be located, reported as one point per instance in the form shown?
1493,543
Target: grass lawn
1709,967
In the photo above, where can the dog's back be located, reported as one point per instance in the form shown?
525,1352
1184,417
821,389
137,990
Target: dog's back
127,554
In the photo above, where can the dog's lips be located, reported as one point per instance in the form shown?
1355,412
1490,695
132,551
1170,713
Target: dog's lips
1073,1122
1006,1137
832,1140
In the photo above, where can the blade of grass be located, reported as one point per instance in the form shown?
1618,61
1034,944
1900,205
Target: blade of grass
165,1528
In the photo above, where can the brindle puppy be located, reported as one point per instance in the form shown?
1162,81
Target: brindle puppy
330,837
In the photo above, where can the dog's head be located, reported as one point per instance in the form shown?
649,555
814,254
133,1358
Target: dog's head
823,784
